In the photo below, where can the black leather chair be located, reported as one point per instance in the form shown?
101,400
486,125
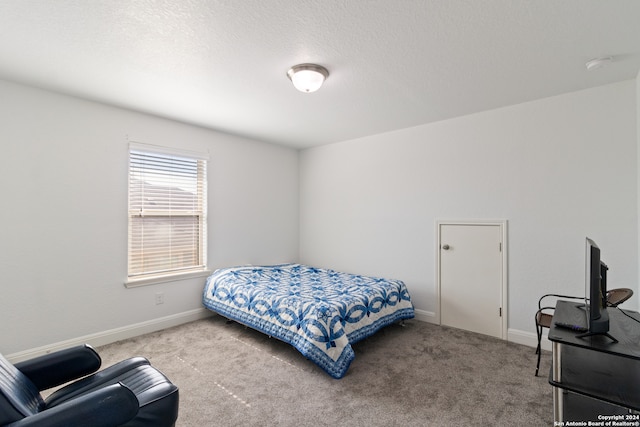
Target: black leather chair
130,393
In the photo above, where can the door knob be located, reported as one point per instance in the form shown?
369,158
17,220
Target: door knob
445,247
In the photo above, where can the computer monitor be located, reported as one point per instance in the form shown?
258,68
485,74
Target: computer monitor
595,292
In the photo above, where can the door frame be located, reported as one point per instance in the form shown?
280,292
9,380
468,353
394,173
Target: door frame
502,223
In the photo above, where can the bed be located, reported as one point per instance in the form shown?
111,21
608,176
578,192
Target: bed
320,312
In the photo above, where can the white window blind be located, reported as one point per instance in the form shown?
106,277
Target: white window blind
167,212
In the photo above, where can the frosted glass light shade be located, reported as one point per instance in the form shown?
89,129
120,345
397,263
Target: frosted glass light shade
307,77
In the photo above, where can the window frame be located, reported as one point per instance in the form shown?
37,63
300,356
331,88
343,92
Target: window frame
172,274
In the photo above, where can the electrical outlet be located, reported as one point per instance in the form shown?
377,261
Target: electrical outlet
160,298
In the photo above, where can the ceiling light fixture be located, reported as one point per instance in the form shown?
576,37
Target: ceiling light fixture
307,77
596,63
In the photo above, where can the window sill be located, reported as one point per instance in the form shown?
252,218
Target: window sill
153,280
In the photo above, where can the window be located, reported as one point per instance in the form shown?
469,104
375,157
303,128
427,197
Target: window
167,213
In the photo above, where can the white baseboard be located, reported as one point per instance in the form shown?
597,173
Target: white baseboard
528,338
107,337
513,335
425,316
113,335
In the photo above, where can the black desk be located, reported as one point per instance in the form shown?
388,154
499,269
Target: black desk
594,376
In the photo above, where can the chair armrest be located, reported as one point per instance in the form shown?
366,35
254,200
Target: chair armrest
108,407
543,309
54,369
557,296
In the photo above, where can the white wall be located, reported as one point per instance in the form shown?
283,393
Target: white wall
366,206
557,169
63,250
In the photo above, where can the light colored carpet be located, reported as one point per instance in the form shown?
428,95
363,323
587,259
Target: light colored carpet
414,375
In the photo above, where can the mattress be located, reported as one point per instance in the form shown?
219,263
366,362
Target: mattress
320,312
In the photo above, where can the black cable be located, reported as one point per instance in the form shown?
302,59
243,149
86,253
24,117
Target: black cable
628,315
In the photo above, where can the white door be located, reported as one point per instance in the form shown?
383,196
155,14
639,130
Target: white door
471,277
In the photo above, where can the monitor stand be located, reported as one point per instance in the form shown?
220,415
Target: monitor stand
599,326
590,334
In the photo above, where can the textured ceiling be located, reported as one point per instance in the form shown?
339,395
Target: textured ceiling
394,64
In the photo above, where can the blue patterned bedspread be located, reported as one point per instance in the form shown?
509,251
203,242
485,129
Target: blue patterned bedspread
320,312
